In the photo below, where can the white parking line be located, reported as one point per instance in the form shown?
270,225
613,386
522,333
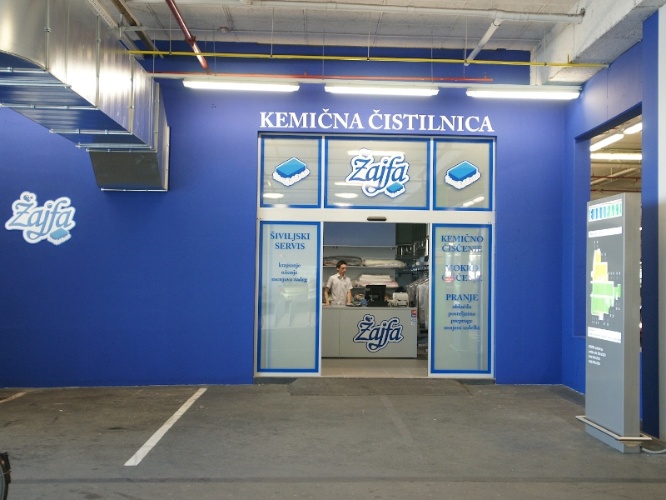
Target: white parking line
155,438
13,397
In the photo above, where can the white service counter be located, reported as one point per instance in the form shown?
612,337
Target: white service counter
368,332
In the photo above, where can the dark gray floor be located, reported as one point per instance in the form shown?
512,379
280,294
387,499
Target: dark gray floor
317,438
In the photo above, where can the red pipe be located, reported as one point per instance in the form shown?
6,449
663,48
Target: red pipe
189,38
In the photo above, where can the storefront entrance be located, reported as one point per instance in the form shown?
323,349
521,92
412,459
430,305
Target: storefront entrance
419,277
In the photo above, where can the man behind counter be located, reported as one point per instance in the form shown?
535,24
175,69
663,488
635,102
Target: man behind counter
339,287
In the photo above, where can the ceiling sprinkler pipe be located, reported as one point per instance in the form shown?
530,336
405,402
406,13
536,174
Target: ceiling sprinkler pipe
484,40
189,38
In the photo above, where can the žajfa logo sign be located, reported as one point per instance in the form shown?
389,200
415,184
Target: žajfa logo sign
53,221
377,336
388,175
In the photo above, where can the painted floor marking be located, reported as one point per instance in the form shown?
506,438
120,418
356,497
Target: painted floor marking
13,397
155,438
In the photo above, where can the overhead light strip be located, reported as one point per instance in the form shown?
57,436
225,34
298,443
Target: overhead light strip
617,156
634,129
606,142
393,90
241,86
541,92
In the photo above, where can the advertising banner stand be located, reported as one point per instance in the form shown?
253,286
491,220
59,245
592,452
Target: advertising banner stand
613,317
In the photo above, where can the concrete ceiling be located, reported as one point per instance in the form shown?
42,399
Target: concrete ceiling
559,31
610,177
552,31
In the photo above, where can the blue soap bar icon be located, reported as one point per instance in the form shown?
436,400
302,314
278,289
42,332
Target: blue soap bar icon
462,175
291,171
395,189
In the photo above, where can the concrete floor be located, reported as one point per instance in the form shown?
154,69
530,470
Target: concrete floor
316,438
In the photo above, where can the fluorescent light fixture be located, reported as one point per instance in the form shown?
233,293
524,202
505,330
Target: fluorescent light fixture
273,196
617,156
250,86
634,129
606,142
540,92
411,90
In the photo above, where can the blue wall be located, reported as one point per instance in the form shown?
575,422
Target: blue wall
158,288
650,250
609,98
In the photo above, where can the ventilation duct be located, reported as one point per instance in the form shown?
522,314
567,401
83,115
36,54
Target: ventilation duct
62,67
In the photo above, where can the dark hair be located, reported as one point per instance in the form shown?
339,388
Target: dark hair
340,262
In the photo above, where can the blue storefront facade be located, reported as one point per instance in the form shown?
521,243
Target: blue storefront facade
160,288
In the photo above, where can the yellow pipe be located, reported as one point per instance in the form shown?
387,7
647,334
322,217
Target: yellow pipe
229,55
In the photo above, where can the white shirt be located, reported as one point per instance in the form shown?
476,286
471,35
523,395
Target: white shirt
337,289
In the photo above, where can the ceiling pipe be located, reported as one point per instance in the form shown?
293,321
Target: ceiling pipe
189,38
484,40
232,55
616,175
307,78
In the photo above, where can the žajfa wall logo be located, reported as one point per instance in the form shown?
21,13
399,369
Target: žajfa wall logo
53,221
377,336
388,175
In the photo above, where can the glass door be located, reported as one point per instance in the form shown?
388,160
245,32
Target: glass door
289,298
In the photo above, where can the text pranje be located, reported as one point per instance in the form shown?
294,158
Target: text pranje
465,297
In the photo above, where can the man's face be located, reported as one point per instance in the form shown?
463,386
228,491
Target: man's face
342,269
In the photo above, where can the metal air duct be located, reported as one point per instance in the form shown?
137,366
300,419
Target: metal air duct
62,67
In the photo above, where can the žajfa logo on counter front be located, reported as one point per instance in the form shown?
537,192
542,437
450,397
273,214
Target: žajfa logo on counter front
388,175
53,221
377,336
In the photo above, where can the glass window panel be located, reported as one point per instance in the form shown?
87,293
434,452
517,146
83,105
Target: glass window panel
290,169
371,172
289,297
460,331
464,174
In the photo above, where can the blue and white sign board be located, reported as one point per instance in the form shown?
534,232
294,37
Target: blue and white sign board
613,316
460,335
289,298
372,172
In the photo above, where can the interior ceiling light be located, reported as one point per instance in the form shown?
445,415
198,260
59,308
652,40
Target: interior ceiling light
241,85
346,195
275,196
411,90
634,129
617,156
542,92
606,142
